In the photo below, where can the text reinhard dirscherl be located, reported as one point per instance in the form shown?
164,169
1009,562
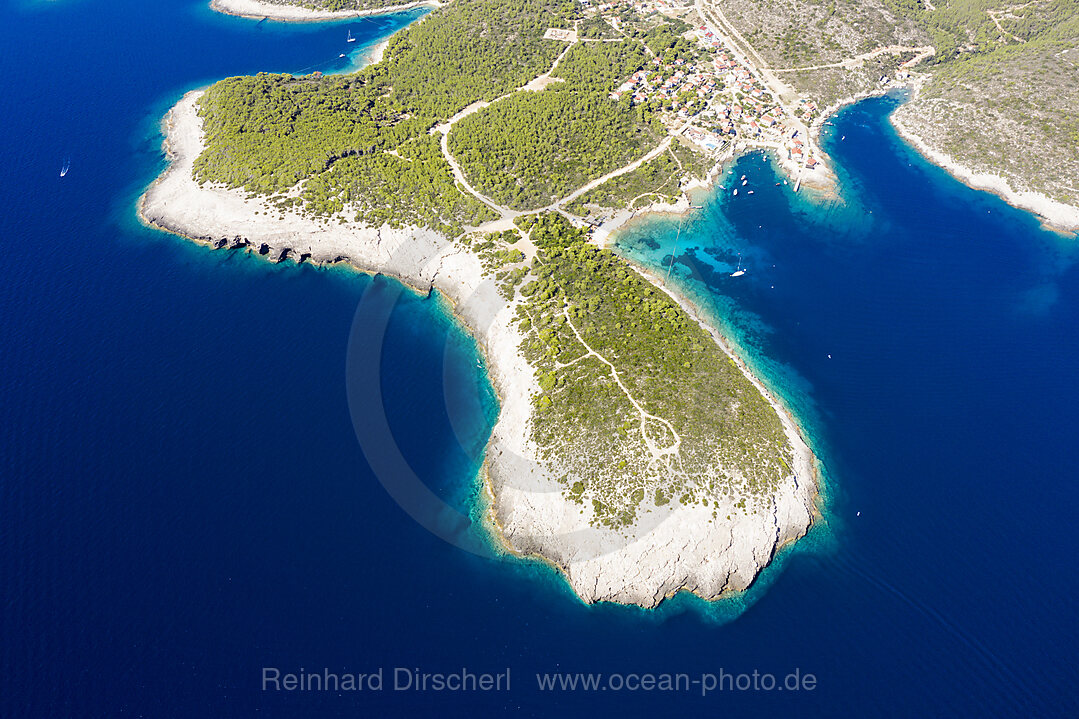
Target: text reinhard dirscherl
404,679
401,679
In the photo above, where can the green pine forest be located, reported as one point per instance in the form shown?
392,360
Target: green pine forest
536,147
361,147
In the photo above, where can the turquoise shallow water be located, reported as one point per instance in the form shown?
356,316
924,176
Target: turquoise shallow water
183,500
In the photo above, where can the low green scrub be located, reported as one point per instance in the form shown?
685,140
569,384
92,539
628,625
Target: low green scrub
588,307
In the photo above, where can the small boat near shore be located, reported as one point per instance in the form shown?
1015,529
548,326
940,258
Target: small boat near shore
350,38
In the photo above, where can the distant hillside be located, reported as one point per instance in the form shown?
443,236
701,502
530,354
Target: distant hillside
1003,93
1012,109
800,33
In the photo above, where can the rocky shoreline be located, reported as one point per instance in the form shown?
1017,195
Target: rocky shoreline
671,549
1055,215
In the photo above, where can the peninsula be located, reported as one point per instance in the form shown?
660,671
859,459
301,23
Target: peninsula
633,450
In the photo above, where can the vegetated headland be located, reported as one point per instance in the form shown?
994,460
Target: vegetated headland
488,155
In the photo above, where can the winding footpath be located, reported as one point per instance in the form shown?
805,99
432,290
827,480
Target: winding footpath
536,84
657,452
995,16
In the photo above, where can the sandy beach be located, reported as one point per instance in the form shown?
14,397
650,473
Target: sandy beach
374,55
670,549
257,9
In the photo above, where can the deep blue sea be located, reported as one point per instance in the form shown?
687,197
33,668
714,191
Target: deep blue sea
183,499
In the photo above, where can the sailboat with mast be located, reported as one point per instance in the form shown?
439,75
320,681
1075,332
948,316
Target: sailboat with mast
738,271
350,38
